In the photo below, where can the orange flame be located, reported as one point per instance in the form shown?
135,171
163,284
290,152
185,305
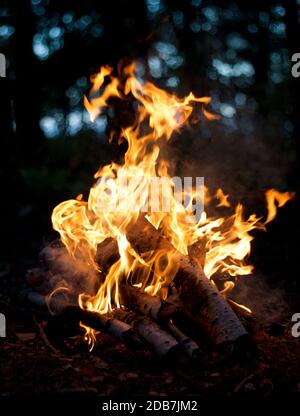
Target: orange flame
222,198
273,196
84,225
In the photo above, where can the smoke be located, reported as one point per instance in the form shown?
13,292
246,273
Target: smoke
268,304
238,163
70,274
244,166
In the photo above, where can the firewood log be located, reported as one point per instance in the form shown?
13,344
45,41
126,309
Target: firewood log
126,326
151,306
197,251
201,299
107,324
162,312
162,342
187,344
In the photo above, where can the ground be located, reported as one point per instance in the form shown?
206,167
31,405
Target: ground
29,366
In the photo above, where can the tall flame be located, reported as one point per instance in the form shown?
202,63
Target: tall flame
84,225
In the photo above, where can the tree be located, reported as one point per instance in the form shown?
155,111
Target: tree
26,91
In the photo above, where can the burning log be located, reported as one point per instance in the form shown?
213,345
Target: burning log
200,298
102,323
151,306
162,312
128,327
106,324
197,251
205,305
163,343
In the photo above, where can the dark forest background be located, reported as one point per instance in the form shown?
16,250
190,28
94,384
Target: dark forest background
237,52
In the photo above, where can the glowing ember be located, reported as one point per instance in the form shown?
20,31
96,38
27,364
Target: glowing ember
84,225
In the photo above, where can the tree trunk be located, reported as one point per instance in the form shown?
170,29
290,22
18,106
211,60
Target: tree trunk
26,94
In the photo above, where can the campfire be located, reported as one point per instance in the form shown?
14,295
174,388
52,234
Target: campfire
142,258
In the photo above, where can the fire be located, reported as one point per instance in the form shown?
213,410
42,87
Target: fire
142,185
273,196
222,198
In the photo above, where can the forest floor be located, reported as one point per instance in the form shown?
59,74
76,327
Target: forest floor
28,366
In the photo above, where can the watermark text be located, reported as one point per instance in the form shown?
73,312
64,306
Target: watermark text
2,66
152,194
296,67
296,326
2,326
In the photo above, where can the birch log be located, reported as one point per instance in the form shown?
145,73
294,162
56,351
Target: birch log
201,299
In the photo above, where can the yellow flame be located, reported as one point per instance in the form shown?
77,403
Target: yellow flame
90,336
273,197
222,198
84,225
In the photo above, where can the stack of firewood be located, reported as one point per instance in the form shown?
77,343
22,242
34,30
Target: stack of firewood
196,314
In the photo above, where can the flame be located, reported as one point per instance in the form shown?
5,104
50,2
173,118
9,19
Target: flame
273,196
135,187
90,335
222,198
